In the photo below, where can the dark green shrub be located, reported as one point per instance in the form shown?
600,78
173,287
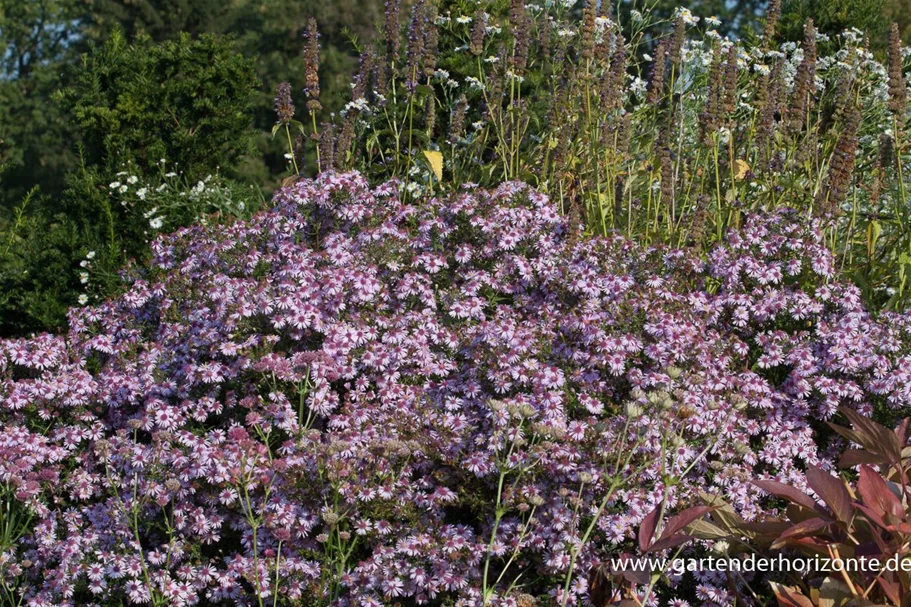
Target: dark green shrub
187,100
154,122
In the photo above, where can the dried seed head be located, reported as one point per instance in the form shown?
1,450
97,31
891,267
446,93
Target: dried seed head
656,82
773,14
711,115
770,100
898,94
729,97
804,81
522,34
327,145
414,54
361,83
588,30
431,40
612,84
844,95
284,106
430,115
677,40
392,32
886,152
311,66
841,169
344,142
544,33
699,225
457,121
478,32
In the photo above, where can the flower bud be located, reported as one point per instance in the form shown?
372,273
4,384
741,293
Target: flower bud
633,410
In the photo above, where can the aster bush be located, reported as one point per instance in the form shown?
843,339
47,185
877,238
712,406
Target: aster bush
354,398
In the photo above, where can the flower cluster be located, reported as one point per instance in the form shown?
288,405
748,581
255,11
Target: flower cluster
357,399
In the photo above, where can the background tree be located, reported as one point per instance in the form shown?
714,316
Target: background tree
832,17
185,101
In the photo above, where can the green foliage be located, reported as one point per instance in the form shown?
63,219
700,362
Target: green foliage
187,100
899,12
833,17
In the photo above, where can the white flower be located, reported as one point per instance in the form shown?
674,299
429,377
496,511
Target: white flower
491,59
83,299
713,21
288,156
123,189
463,19
132,179
688,17
83,277
161,187
114,185
513,76
565,33
156,222
90,255
171,174
441,74
84,263
474,83
636,16
359,105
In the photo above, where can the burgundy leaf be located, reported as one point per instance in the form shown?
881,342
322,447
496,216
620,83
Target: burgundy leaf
669,542
833,492
789,597
855,457
901,433
684,518
647,528
873,515
802,529
876,494
787,492
873,436
890,589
